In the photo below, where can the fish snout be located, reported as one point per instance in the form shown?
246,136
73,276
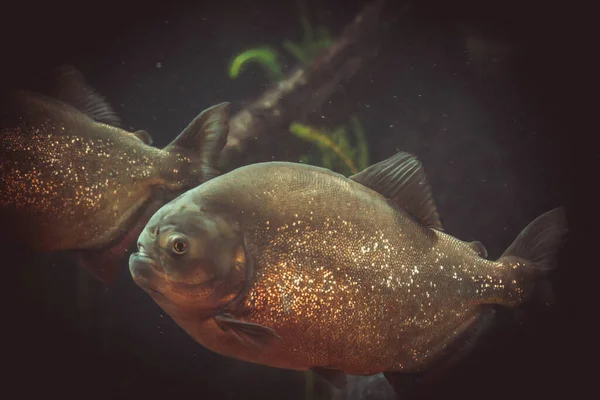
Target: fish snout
147,238
143,247
145,270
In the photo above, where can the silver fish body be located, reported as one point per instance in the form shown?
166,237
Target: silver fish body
342,274
69,181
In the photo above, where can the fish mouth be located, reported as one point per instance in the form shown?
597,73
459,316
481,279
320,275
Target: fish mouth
148,274
140,262
192,288
141,256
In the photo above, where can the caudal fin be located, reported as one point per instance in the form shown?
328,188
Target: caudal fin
205,137
533,254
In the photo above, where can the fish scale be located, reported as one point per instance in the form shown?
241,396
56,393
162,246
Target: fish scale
65,179
70,181
334,285
294,266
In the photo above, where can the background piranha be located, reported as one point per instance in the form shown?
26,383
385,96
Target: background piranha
297,267
72,180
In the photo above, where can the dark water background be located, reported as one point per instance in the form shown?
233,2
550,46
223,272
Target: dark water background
473,88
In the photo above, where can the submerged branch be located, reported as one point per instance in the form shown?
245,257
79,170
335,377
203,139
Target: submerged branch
303,90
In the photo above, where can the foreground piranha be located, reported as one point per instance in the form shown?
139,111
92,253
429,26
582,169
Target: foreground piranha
72,180
297,267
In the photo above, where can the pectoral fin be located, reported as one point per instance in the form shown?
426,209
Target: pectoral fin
333,376
255,334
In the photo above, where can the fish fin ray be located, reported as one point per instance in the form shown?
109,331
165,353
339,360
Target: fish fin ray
536,248
413,385
335,377
402,179
539,242
255,334
466,337
144,136
479,248
207,133
71,88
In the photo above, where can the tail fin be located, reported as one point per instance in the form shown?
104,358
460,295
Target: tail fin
206,134
533,254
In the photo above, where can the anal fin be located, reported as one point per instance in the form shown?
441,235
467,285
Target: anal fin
418,385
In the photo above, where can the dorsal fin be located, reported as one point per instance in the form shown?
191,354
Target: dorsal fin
479,248
144,136
70,87
206,135
402,179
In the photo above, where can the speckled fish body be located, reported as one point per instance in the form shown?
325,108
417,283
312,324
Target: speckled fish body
69,181
75,181
346,278
342,276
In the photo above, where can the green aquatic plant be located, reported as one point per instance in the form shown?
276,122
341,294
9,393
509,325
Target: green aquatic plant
362,146
312,43
264,56
326,142
338,151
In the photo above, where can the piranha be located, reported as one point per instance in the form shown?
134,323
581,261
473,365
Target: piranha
297,267
72,180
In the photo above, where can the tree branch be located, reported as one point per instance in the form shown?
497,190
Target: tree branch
303,90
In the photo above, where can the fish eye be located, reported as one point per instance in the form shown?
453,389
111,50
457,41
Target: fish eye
179,245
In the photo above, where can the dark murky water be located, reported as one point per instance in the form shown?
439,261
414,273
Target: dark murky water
467,90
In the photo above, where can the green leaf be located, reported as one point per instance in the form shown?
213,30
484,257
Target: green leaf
321,139
264,56
297,52
362,146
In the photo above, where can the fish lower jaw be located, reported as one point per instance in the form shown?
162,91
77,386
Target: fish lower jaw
189,286
145,273
142,280
188,295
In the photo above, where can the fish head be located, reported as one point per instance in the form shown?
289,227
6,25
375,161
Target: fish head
190,260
